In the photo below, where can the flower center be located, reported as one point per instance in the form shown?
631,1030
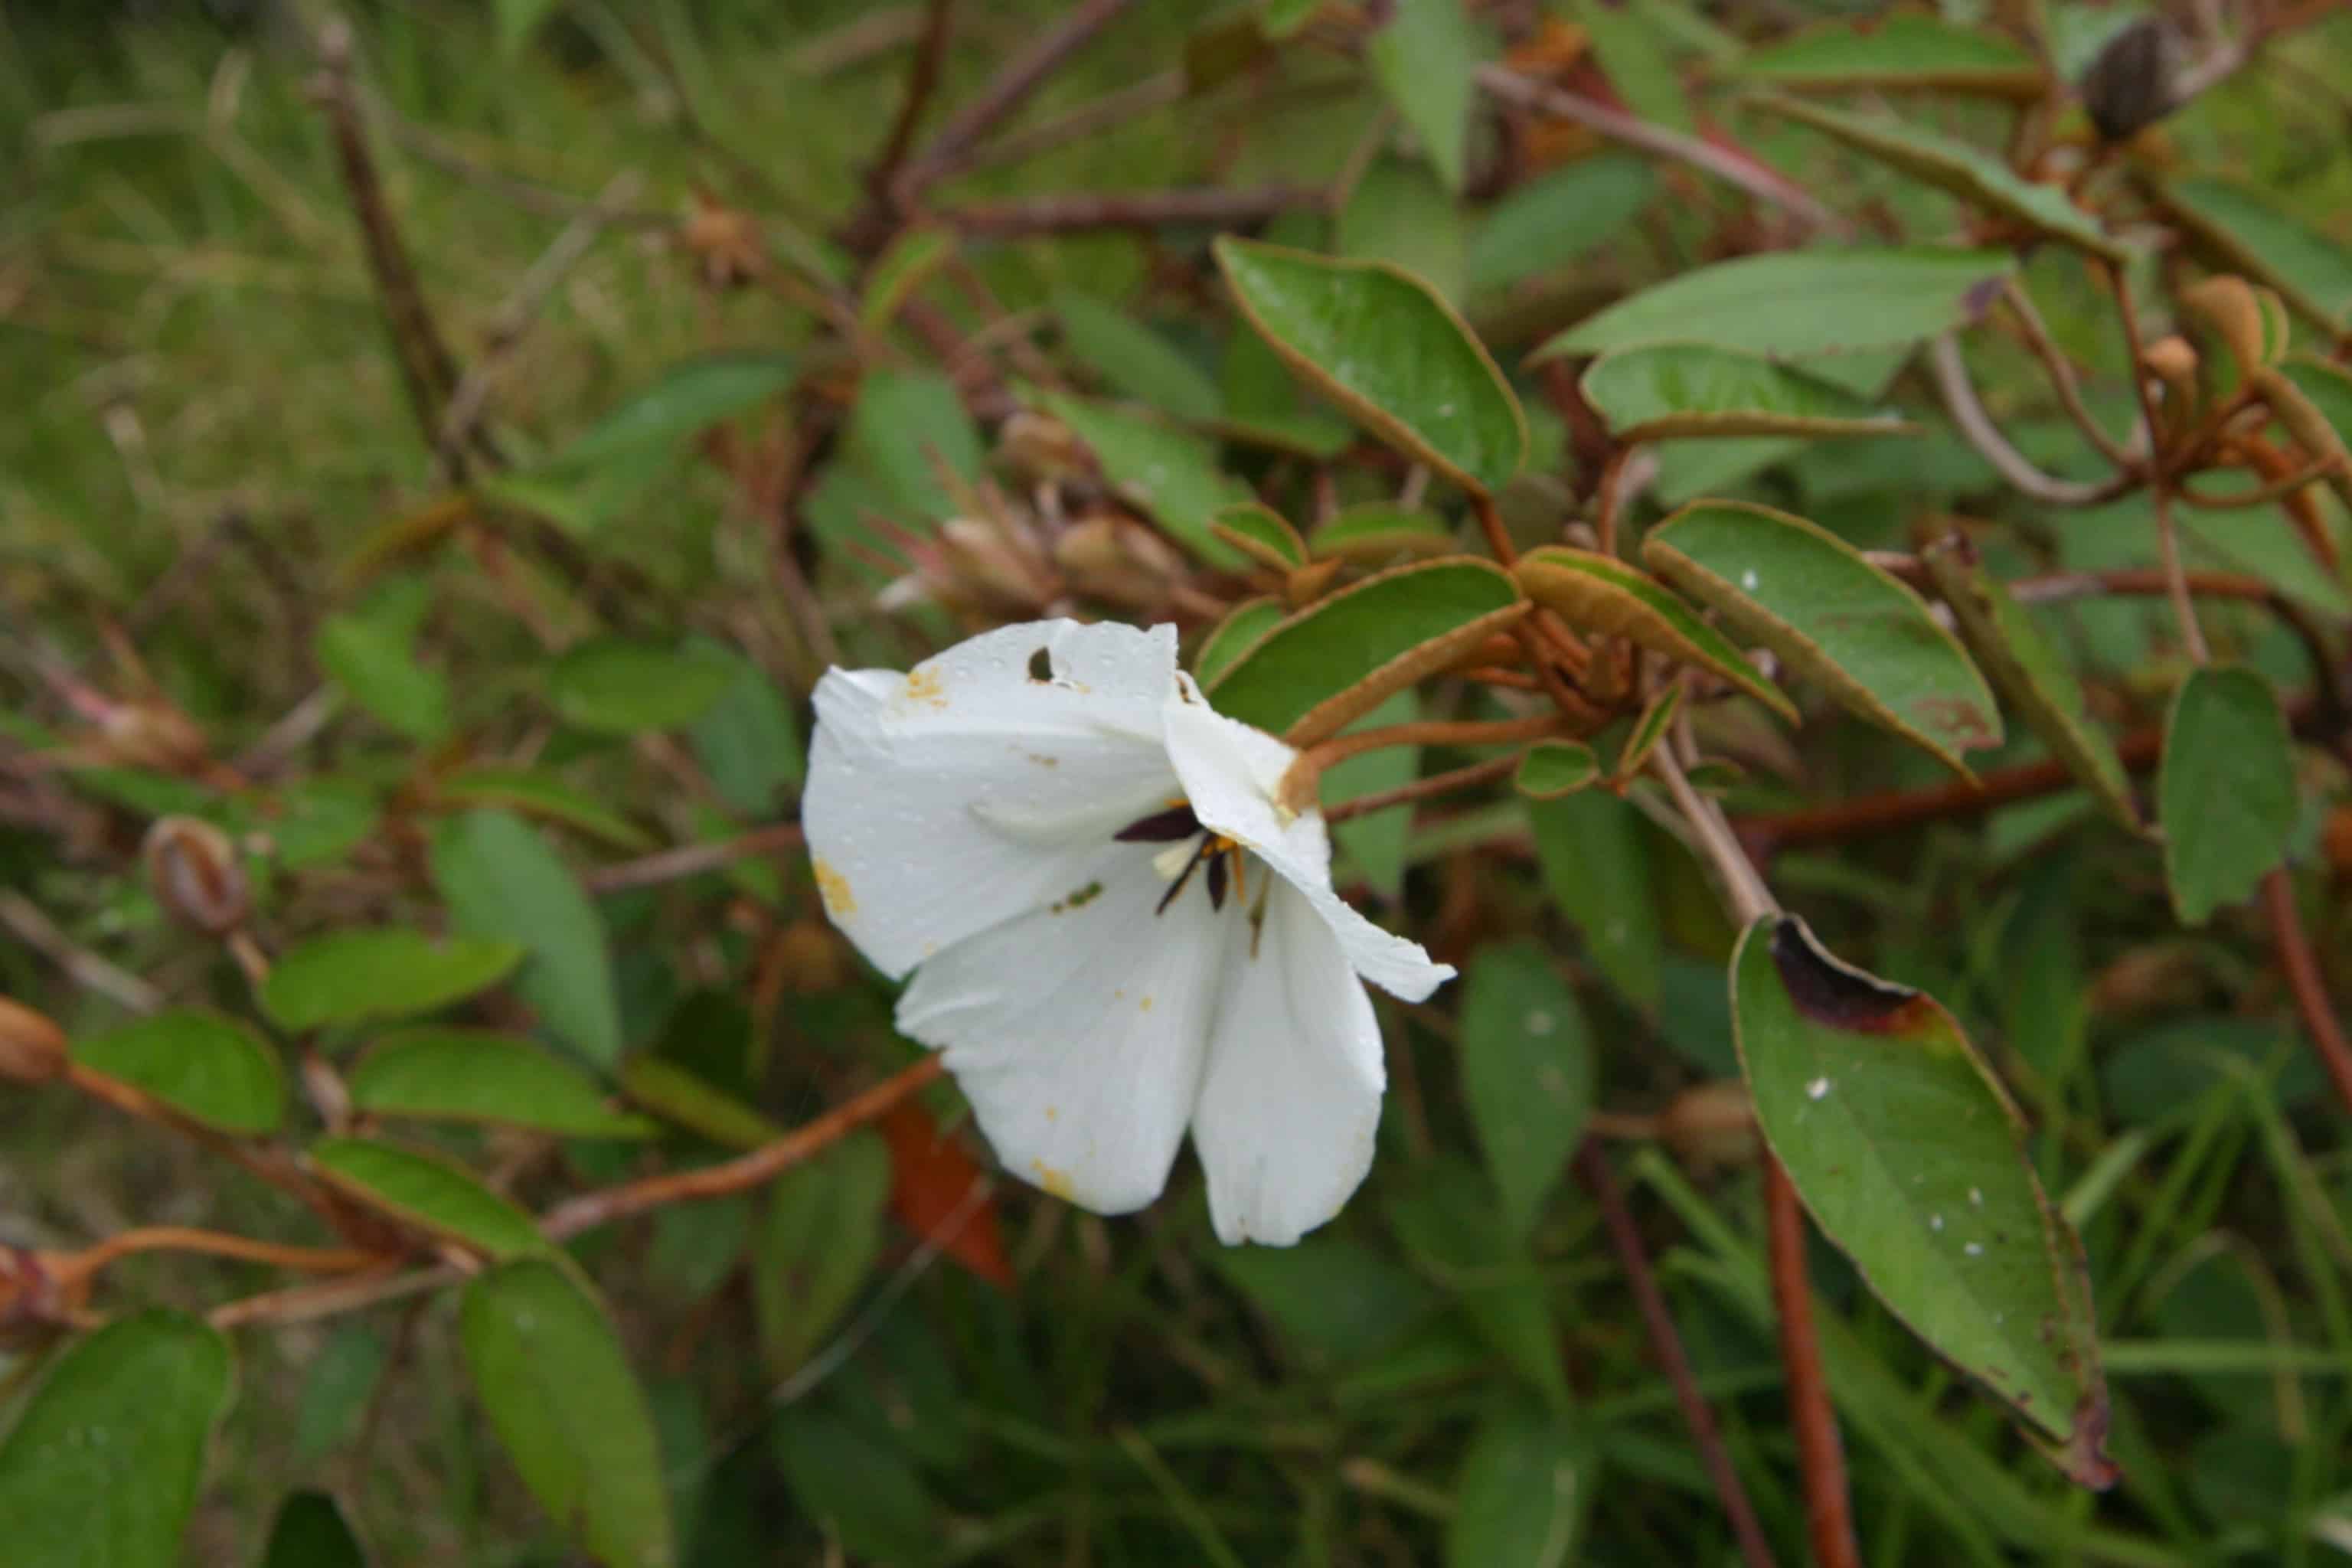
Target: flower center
1191,846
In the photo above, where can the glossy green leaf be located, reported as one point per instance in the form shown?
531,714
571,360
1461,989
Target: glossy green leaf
616,687
1448,1223
1812,598
2030,673
377,666
545,797
549,1371
1799,303
1262,533
1549,769
359,976
1340,656
1386,348
1399,213
1601,594
2225,793
1234,636
1135,362
1423,56
1663,390
1977,177
679,1095
1527,1073
2249,234
749,743
1523,1494
1334,1298
427,1191
821,1236
1911,1158
1171,474
1556,219
1634,56
1265,407
312,1532
910,260
502,881
688,398
209,1068
472,1075
101,1468
1902,52
860,1489
1596,867
1378,533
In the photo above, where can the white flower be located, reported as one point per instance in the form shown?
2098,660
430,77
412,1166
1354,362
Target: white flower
1117,932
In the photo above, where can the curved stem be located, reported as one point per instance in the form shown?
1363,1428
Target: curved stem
1429,788
214,1244
2260,495
1743,888
1829,1514
2061,377
1951,373
2303,978
1302,785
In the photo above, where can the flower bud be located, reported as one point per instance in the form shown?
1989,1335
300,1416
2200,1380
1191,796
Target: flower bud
1041,447
1110,558
2135,81
195,874
1711,1124
32,1048
153,735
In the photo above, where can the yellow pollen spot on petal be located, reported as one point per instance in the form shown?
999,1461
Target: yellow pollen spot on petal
1146,1004
1056,1182
833,888
923,686
1052,1113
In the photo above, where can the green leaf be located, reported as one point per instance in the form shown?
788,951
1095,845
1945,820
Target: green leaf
102,1467
1604,594
1423,58
1910,1156
1135,362
472,1075
1664,391
1649,729
1525,1488
337,1388
1812,598
1549,769
549,1371
2225,791
317,821
2248,232
1339,657
311,1532
1400,214
1264,406
1171,474
1335,1298
2030,673
376,666
1240,631
1558,218
1262,533
428,1192
679,1095
1904,52
820,1238
543,796
1448,1222
614,687
858,1489
905,428
1596,865
356,977
748,742
1374,844
1527,1073
1795,304
1972,175
209,1068
1385,347
1634,58
907,263
1377,533
690,398
501,880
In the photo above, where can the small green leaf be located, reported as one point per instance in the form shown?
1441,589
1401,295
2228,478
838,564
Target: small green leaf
1664,391
549,1371
1904,52
2031,674
1525,1490
1383,345
1240,631
427,1191
312,1532
1135,362
1172,474
209,1068
909,261
501,880
1447,1221
1400,214
1262,533
1649,729
820,1238
1556,219
679,1095
748,742
688,398
1527,1073
472,1075
1632,54
1596,865
1423,57
1910,1156
102,1467
2248,232
619,688
1603,594
2225,791
1320,670
543,796
1379,533
1812,598
1335,1298
359,976
1795,304
1549,769
857,1488
376,666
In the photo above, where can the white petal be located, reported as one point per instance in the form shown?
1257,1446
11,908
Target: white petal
1079,1036
966,792
1292,1097
1231,773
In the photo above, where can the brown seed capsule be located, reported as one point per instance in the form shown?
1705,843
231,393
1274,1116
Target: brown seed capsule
1041,447
811,958
195,874
1711,1124
32,1048
2136,80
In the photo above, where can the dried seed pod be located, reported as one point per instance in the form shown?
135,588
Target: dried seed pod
194,870
32,1048
2136,80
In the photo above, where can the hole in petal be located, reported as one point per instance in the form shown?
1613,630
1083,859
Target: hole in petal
1041,666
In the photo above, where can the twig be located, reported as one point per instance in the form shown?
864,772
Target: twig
81,966
1666,1345
1020,77
922,81
1112,109
187,569
2167,537
1435,785
1829,1514
1743,888
214,1244
1968,412
2061,375
2259,495
1430,733
1141,209
305,1303
2304,980
1502,82
691,859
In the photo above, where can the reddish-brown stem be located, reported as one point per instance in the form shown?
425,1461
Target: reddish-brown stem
1490,522
215,1244
130,1100
922,81
1829,1514
1020,77
2260,495
1211,206
692,860
2303,979
2159,481
1666,1345
1435,785
1517,680
1433,732
1608,500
